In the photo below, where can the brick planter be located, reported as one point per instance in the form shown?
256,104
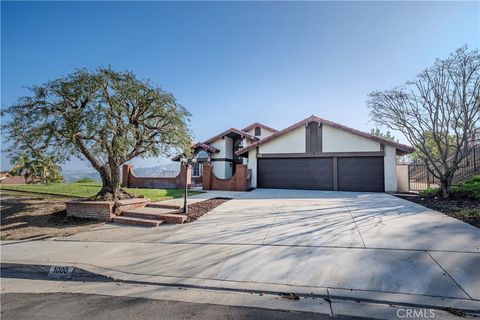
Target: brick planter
101,210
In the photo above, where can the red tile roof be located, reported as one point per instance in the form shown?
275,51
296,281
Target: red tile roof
195,146
205,146
402,147
257,124
235,130
5,178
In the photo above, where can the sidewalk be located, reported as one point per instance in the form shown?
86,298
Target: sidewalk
212,266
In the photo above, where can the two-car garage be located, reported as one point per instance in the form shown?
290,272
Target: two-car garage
324,173
323,155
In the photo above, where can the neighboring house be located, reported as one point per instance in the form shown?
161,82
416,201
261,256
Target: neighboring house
311,154
5,178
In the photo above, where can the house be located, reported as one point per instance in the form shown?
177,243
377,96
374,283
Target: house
6,178
311,154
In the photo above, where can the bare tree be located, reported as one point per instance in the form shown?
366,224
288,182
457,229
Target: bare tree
438,111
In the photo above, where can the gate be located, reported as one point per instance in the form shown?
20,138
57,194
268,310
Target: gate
420,178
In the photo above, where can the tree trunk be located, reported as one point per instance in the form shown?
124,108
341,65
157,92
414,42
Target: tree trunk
111,190
445,185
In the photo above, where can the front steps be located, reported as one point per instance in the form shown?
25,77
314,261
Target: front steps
137,221
156,214
165,206
151,215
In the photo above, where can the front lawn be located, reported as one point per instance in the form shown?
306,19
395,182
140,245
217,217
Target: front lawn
87,190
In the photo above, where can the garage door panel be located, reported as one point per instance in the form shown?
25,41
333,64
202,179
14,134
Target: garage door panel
361,174
295,173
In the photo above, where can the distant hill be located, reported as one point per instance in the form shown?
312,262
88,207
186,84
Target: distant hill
74,175
157,170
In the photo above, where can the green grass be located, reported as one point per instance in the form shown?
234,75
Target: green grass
87,190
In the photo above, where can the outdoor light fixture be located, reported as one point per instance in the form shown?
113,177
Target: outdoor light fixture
186,162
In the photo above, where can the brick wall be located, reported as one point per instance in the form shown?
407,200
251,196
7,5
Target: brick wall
99,210
102,210
239,182
130,180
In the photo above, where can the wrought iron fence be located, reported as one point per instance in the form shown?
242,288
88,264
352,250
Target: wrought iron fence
420,177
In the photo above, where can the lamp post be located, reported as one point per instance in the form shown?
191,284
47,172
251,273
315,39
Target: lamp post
186,162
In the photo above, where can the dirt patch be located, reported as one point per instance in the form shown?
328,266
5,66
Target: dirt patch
289,296
198,209
466,210
34,216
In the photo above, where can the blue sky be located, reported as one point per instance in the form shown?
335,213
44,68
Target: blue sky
234,63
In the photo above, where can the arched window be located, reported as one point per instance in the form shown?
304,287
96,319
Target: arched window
258,131
202,155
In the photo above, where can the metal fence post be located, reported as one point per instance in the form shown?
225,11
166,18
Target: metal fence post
474,159
428,178
409,186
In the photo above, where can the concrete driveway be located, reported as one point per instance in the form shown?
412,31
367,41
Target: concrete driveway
348,243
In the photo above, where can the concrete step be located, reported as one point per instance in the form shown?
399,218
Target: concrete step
155,214
130,204
164,205
137,221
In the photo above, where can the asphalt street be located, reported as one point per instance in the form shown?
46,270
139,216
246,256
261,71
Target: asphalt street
62,306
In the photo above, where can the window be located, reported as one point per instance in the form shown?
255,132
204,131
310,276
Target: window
197,169
202,155
258,131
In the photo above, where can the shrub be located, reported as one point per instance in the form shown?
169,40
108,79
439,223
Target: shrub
430,193
469,213
86,180
468,189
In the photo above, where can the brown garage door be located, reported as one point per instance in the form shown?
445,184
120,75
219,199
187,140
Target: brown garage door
361,174
298,173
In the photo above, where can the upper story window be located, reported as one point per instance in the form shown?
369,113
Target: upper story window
203,155
258,131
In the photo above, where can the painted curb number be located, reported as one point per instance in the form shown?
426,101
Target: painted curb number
60,272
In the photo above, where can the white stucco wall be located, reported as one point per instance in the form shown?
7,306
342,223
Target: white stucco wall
222,169
337,140
390,169
252,164
402,178
221,146
264,132
228,148
291,142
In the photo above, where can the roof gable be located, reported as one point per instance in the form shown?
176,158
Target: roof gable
234,130
403,148
257,124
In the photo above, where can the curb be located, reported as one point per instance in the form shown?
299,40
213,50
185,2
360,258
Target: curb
44,272
47,272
